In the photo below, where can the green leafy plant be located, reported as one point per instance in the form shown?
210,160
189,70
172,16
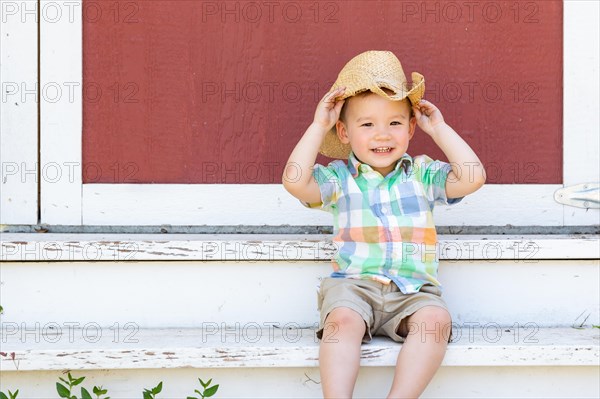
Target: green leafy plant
11,395
98,391
65,391
208,390
1,309
151,393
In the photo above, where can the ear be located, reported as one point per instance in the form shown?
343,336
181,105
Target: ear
412,127
342,132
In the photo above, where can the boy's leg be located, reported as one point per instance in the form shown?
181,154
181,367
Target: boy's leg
422,351
339,352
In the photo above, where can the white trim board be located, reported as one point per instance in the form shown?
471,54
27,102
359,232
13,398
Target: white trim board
69,202
61,69
270,204
18,116
581,101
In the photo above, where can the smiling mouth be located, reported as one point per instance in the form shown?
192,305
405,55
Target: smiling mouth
382,149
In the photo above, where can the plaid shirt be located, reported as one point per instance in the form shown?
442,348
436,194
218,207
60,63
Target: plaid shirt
383,227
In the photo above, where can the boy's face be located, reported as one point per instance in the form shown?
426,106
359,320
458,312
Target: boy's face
377,129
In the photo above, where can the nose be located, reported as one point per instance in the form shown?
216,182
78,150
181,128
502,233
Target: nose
382,134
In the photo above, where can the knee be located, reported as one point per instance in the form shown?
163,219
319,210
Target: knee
345,319
432,316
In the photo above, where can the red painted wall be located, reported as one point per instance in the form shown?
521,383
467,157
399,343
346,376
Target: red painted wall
220,92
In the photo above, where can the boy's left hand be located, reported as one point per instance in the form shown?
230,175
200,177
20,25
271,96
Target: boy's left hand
428,116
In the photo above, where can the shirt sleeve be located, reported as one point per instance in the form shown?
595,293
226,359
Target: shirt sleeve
329,185
433,174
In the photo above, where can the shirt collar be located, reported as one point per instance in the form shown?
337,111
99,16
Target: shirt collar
354,165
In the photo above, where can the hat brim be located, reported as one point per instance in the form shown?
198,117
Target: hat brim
332,147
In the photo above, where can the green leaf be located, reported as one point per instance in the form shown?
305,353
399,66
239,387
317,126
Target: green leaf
99,391
78,381
63,380
13,395
191,397
85,394
147,394
1,311
63,392
202,383
157,389
3,395
594,326
211,391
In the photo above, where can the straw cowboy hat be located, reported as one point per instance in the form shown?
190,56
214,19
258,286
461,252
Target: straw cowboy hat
372,70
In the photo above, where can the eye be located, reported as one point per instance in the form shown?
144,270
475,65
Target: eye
395,123
367,124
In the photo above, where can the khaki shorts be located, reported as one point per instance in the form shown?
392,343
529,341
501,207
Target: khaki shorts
382,307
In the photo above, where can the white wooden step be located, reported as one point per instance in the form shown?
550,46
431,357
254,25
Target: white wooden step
231,347
282,363
273,247
159,294
162,293
194,306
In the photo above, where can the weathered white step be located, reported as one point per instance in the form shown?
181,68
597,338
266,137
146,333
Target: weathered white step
187,293
274,247
214,347
232,284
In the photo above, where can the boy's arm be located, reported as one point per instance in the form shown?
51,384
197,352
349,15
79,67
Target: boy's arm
468,174
297,175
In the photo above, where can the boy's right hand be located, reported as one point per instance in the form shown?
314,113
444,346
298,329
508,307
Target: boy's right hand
328,110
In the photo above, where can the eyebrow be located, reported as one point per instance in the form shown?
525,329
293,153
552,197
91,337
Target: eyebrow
397,116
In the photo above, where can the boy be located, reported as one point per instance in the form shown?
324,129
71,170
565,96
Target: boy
385,269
